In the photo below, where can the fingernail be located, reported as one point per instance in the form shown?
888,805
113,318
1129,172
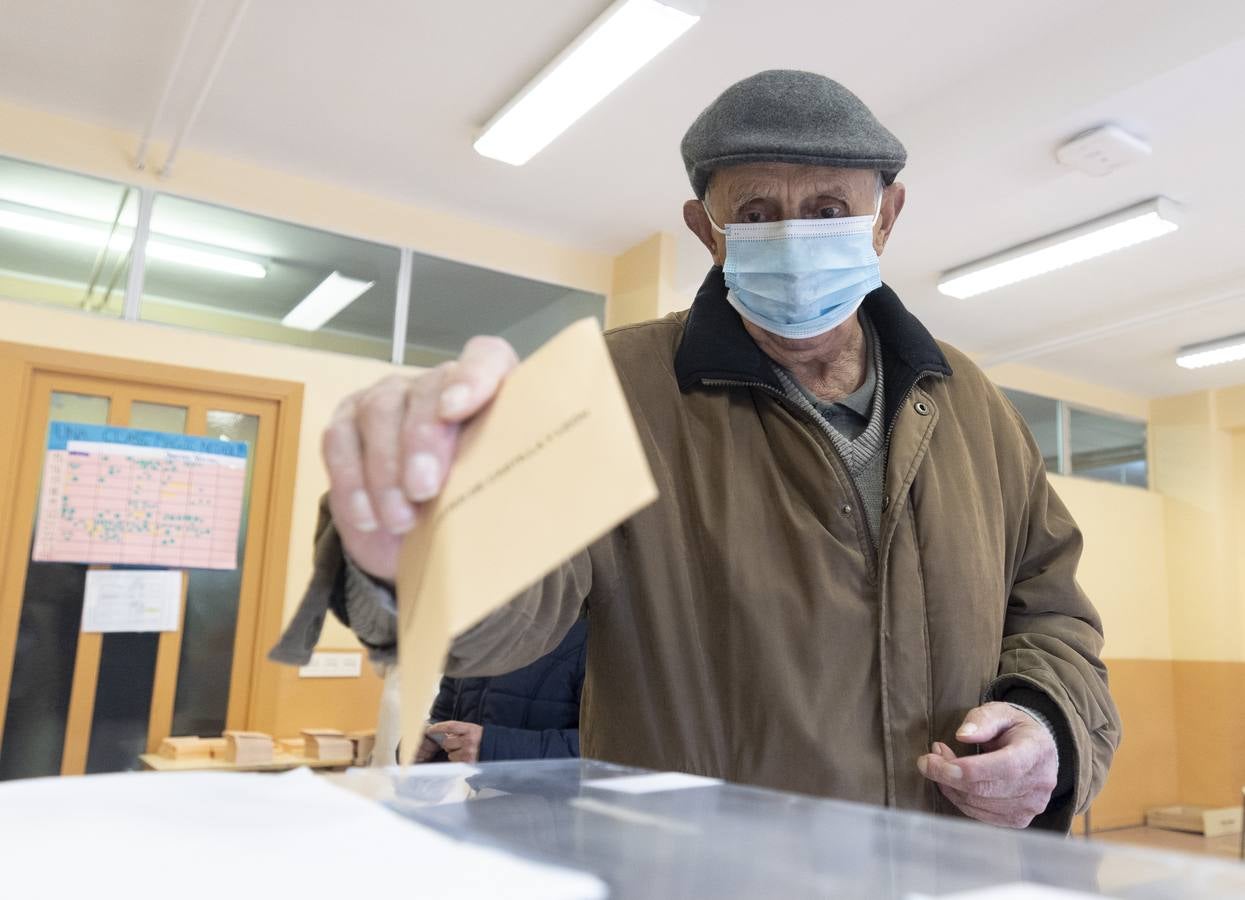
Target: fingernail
396,511
955,772
968,728
922,764
361,511
454,399
423,477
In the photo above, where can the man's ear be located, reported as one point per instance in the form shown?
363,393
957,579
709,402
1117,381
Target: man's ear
892,205
698,221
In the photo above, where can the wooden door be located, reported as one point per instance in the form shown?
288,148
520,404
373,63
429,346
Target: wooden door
75,702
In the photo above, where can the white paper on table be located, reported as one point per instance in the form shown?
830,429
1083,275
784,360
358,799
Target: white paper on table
1019,890
209,835
132,600
652,783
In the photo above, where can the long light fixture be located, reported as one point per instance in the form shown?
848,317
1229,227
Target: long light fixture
1212,353
1116,231
91,236
326,300
621,40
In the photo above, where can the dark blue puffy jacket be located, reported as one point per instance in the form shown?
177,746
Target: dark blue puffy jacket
532,713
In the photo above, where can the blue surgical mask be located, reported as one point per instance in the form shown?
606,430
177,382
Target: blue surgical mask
802,277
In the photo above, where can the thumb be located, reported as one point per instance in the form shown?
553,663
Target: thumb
985,723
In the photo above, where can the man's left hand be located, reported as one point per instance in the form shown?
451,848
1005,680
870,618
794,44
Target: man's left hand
462,740
1010,782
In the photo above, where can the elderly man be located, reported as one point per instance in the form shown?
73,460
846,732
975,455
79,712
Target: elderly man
856,582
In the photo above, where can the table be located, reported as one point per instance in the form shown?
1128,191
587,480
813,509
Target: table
281,762
724,840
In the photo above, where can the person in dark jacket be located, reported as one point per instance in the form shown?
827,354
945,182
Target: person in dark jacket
531,713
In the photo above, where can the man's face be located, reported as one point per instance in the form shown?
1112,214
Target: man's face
775,192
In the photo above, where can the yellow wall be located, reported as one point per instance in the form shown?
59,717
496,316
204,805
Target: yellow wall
1166,569
643,282
1124,566
1124,572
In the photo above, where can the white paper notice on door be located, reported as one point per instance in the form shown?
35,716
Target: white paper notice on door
132,600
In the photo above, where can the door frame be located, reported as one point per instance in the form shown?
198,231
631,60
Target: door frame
21,364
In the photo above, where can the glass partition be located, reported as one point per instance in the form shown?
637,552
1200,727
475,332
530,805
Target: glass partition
230,272
451,302
1108,448
1085,443
1042,415
68,239
65,239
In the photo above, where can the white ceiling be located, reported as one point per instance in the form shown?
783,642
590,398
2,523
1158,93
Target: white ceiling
387,97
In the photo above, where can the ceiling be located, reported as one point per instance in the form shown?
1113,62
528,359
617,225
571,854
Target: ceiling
387,97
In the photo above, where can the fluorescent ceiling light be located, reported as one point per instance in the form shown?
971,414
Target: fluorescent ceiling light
1212,353
330,297
1057,251
203,259
626,36
94,236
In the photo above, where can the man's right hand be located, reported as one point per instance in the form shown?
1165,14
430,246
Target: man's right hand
389,447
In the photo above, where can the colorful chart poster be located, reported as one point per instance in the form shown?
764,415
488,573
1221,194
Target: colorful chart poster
123,495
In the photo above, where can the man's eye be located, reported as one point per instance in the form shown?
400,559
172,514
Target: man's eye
830,212
754,216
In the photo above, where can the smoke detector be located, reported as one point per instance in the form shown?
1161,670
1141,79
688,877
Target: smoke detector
1100,151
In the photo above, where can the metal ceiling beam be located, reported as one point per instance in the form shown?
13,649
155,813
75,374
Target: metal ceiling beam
140,159
205,88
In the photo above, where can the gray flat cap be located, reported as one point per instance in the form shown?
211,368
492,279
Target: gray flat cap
784,115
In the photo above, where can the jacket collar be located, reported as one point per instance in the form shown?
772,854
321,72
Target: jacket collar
715,346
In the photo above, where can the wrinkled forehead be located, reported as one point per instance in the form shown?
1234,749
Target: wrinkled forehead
736,184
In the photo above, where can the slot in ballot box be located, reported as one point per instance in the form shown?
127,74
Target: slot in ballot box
668,835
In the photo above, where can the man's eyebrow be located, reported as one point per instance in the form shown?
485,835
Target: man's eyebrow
745,191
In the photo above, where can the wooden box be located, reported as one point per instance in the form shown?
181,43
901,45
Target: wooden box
247,748
218,747
364,742
1206,820
328,744
184,748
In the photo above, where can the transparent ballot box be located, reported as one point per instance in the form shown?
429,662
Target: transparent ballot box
666,835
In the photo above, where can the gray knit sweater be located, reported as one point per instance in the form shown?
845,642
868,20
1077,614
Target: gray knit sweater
854,426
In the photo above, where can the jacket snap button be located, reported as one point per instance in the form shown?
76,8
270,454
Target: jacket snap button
922,408
846,509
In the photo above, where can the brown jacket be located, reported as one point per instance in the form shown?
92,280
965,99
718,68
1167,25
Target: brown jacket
745,626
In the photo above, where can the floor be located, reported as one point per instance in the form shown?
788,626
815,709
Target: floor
1227,846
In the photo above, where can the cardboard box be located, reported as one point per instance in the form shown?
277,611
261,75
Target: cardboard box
1205,820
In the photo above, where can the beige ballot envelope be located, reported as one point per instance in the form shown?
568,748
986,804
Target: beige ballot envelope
550,466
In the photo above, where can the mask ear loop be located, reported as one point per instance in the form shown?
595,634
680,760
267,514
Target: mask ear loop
716,227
